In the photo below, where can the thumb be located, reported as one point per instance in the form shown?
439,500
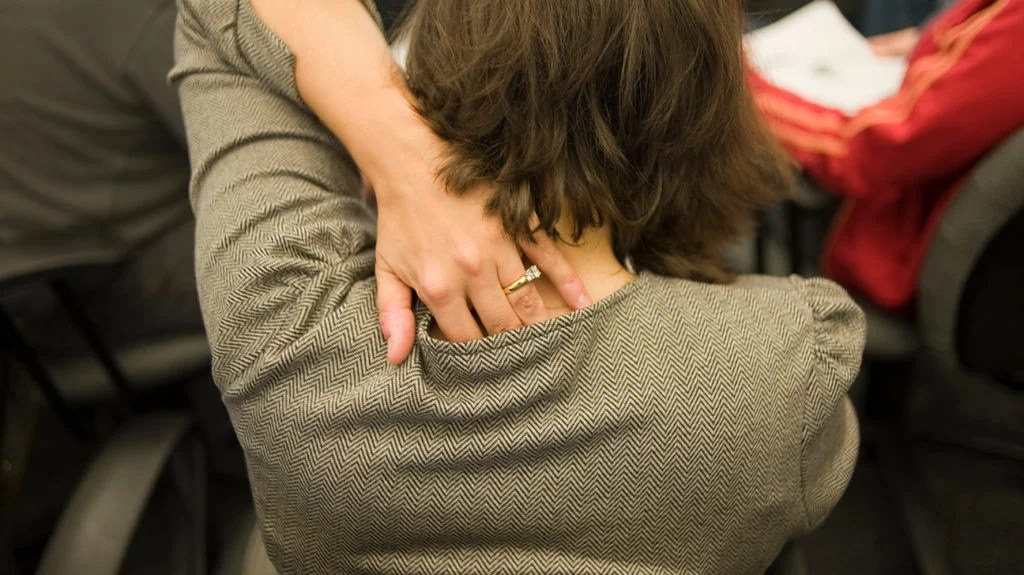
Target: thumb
394,304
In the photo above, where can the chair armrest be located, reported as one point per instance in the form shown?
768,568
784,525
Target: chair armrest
96,530
147,364
990,197
888,337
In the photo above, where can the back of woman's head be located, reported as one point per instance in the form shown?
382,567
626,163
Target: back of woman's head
628,113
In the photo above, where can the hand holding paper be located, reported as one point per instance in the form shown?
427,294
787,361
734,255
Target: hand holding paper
816,53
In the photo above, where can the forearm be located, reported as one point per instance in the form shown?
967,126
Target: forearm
345,74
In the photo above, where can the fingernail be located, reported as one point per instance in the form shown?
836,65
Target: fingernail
583,301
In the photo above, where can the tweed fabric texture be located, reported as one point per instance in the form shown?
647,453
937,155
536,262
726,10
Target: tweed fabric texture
673,427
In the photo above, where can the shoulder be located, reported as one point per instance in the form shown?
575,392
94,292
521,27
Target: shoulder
795,324
785,302
229,33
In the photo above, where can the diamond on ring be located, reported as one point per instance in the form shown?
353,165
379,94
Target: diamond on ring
532,274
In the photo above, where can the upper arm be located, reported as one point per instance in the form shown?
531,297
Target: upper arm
281,233
830,436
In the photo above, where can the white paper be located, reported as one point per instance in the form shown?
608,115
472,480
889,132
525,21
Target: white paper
816,53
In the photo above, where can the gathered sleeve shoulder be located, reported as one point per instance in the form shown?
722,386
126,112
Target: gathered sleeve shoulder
282,234
830,436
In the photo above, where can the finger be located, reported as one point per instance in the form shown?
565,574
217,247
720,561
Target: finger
492,305
394,304
456,321
526,301
450,309
545,254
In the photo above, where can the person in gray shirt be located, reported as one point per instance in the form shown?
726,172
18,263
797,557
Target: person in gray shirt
93,161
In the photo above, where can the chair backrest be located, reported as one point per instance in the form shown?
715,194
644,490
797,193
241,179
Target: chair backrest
26,272
971,291
53,258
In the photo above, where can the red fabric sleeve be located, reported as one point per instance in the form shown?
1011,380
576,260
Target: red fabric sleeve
963,93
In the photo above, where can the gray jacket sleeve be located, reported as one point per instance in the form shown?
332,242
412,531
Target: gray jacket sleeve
830,436
281,232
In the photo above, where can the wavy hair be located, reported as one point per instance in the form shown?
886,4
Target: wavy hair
629,113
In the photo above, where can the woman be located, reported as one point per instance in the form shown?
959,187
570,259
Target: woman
682,423
961,96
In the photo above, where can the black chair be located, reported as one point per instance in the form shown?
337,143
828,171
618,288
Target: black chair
152,452
95,376
96,531
970,314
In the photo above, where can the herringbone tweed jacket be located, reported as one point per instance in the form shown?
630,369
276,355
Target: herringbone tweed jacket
674,427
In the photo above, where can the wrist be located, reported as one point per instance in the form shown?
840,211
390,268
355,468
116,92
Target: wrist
398,153
392,134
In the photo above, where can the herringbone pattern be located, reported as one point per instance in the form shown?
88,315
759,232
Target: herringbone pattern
674,427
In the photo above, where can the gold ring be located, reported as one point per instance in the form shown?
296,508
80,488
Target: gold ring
532,273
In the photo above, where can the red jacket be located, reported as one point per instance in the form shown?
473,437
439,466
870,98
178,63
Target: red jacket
899,162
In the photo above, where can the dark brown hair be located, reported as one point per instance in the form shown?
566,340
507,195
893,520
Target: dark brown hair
631,113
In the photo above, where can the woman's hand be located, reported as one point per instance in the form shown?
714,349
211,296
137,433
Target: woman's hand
444,247
898,44
455,257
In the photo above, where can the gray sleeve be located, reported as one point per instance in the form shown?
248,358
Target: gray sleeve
282,234
831,435
149,61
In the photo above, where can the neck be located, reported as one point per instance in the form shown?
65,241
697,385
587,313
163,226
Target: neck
594,261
